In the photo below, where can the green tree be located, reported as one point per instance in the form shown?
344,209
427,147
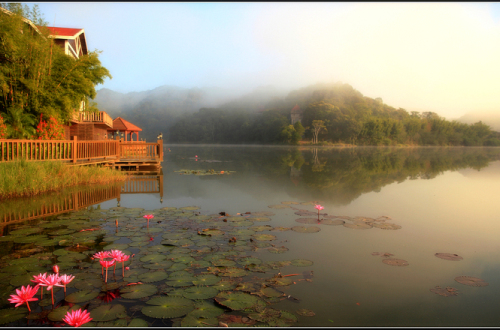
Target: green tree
317,125
297,133
36,76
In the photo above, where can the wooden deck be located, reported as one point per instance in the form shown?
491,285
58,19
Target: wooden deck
113,153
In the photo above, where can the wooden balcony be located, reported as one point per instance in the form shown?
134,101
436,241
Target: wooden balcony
100,118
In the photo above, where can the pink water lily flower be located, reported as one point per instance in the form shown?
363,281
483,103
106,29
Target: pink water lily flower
106,264
77,318
122,259
38,279
24,295
50,282
148,216
319,208
66,279
102,255
115,254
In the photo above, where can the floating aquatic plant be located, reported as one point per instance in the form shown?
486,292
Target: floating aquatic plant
236,300
471,281
167,307
303,229
445,292
449,256
395,262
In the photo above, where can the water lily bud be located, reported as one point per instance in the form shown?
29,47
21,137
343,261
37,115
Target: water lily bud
55,268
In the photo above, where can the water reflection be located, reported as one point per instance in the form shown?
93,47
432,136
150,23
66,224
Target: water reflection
75,198
338,176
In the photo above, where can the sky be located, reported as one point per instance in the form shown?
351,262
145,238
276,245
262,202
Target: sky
440,57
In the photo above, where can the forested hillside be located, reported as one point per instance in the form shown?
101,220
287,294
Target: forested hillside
155,111
335,113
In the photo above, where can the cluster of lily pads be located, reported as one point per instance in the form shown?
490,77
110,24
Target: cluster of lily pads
185,269
204,172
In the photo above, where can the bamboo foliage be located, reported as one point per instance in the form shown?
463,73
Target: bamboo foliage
36,76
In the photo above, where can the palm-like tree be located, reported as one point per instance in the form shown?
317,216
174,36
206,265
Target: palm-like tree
20,125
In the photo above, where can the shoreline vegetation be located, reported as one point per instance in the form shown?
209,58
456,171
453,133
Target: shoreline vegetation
24,179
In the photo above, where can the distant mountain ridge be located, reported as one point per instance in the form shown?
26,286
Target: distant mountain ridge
158,109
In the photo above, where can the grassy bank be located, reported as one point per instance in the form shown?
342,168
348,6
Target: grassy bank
22,178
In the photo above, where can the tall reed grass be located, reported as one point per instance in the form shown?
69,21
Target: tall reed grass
22,178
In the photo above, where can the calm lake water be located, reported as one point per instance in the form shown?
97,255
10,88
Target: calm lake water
387,213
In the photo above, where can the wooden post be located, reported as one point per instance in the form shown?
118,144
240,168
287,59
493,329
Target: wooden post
160,151
75,144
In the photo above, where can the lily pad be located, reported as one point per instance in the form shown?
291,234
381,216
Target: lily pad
205,309
200,292
264,237
190,321
395,262
249,261
261,228
181,281
301,262
305,312
359,225
25,231
153,258
138,323
12,314
303,229
138,291
168,307
81,296
277,249
108,312
307,220
280,229
59,313
449,256
153,276
236,300
445,292
233,272
330,222
471,281
206,279
387,226
271,292
225,285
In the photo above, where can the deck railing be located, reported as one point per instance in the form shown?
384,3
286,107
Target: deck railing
36,150
75,150
97,149
141,150
92,117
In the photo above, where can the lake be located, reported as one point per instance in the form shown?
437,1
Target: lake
406,237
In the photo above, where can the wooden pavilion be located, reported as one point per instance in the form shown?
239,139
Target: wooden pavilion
120,125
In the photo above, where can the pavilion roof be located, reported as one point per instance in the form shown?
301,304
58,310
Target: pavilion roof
121,124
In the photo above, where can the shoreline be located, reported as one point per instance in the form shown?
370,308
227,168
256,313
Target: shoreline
27,179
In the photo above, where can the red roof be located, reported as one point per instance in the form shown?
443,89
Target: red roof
123,125
296,109
63,32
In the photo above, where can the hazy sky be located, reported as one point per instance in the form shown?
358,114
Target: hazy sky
441,57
